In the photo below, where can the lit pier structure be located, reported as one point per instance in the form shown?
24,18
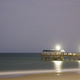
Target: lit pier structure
52,55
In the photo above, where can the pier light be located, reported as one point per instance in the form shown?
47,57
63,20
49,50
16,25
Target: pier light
62,50
58,47
73,53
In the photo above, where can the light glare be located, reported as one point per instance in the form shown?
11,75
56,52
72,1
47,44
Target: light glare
58,47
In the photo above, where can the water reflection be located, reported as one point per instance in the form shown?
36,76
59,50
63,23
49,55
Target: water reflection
79,64
58,65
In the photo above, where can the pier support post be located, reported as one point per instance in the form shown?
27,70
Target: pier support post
69,58
53,58
49,58
78,57
45,58
62,57
74,57
65,57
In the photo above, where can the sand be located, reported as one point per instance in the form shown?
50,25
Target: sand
48,76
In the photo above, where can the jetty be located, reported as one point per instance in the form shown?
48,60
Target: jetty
52,55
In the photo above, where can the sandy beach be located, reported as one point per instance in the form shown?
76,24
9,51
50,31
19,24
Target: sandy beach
48,76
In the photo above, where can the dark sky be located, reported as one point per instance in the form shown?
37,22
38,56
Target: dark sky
34,25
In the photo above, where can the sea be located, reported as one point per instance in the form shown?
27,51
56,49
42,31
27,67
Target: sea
17,64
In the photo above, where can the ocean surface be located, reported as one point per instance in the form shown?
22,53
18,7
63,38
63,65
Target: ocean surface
12,62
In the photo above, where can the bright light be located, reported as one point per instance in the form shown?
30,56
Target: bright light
58,47
62,50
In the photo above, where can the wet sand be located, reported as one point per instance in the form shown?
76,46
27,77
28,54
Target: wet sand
48,76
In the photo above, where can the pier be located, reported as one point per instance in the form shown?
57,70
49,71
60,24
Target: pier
52,55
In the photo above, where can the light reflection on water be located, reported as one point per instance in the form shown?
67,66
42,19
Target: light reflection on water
79,66
58,65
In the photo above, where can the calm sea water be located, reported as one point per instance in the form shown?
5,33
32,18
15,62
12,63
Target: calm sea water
32,61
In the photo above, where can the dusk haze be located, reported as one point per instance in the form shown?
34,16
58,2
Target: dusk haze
34,25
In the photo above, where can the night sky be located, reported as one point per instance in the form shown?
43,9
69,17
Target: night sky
34,25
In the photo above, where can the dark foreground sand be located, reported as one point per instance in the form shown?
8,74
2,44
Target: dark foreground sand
48,76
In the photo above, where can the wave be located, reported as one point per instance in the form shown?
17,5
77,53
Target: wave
21,73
